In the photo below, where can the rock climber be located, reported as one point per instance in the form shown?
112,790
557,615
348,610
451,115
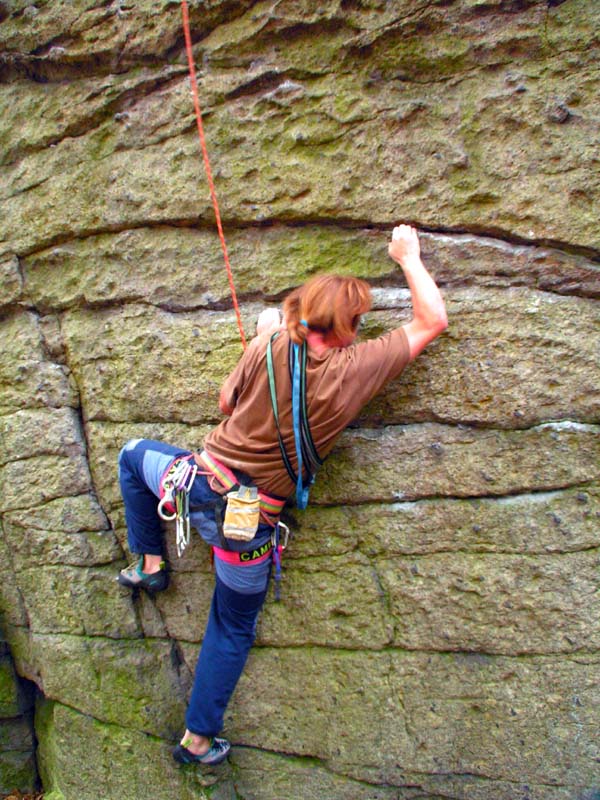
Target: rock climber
248,450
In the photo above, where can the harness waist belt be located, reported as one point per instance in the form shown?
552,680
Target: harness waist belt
256,556
271,506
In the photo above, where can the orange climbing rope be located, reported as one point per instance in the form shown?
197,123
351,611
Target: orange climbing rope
213,194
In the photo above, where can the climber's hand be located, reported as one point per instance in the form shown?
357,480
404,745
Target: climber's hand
268,321
404,246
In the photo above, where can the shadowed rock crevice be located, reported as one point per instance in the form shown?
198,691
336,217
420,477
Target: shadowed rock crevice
459,259
18,767
502,245
59,43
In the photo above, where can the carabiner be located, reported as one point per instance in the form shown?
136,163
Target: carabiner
277,539
167,498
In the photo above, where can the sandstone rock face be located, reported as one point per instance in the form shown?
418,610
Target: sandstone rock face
438,634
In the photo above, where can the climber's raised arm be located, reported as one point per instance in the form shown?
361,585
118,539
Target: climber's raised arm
429,312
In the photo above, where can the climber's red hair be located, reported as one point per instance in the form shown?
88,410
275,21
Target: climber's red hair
330,304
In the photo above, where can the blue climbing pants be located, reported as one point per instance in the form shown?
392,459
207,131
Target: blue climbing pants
239,593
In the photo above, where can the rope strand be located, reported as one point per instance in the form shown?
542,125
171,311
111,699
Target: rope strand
213,194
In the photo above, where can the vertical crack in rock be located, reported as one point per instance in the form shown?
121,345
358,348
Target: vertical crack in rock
10,580
81,417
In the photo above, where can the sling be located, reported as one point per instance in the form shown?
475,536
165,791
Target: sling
304,444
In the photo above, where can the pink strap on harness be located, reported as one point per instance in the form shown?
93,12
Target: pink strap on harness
246,559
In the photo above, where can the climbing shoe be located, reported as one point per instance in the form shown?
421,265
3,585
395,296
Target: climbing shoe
217,752
133,578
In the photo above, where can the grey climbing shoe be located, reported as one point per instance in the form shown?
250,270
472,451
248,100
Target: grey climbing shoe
217,752
133,578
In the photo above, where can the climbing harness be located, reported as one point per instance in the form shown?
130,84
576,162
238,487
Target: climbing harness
211,186
275,547
174,504
247,558
306,453
270,509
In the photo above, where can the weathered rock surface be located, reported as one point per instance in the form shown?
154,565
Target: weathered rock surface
434,712
438,631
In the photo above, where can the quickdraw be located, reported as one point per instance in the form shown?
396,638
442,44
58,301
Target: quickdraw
175,502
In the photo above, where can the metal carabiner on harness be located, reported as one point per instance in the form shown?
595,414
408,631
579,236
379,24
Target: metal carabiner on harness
176,486
168,497
277,539
182,519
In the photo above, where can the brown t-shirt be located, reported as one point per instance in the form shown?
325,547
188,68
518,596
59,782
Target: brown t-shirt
339,383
